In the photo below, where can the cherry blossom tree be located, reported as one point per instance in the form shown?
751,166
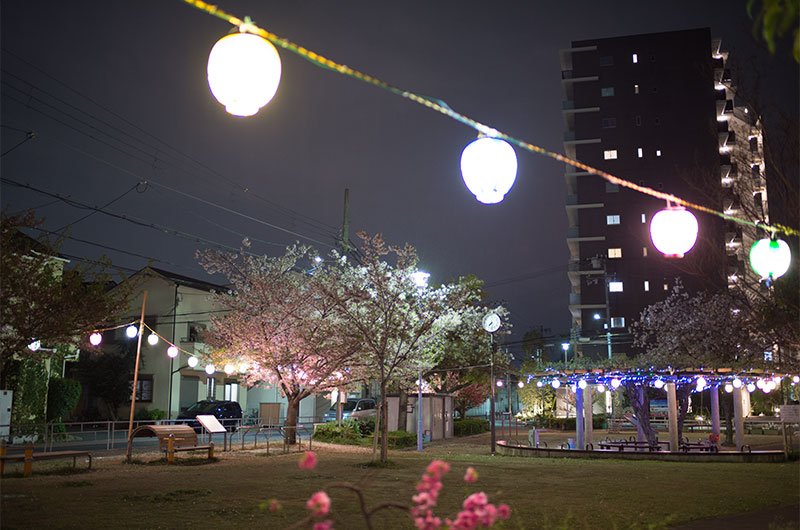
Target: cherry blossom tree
281,322
471,396
402,326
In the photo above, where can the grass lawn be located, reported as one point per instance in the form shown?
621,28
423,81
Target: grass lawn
542,493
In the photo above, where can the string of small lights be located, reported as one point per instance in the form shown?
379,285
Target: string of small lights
441,107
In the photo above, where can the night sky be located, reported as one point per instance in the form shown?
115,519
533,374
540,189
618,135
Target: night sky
116,92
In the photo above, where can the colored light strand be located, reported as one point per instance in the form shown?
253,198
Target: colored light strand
442,108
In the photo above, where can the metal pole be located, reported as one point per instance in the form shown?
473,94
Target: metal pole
172,360
491,403
136,374
419,414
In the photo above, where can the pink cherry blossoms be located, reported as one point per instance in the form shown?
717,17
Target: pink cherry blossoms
308,460
319,504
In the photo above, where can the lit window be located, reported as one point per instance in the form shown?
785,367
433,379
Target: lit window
644,252
635,58
640,152
644,218
612,219
617,322
615,253
635,89
607,91
658,152
666,287
610,154
646,285
615,287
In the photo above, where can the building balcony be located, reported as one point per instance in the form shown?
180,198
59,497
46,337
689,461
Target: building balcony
569,136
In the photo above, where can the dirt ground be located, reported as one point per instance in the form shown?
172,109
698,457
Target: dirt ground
235,490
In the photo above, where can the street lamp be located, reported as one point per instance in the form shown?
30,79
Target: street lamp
565,347
491,323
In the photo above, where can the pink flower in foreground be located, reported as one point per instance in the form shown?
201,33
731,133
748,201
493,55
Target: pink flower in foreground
503,511
438,468
327,524
475,501
471,475
429,522
319,504
274,505
308,461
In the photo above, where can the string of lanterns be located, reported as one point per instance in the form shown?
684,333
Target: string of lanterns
244,71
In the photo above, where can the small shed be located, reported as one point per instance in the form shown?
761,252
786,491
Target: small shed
437,414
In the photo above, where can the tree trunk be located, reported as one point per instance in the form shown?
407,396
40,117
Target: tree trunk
383,415
402,412
290,427
640,402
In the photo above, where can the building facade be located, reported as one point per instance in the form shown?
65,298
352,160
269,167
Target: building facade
657,110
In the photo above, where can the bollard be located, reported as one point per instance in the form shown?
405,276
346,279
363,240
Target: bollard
210,450
171,449
28,466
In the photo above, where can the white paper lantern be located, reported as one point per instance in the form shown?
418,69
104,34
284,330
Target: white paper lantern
95,338
172,352
770,258
673,231
244,71
489,168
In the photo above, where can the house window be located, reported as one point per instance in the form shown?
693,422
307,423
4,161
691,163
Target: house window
615,287
144,387
617,322
615,253
666,287
610,154
635,58
609,123
646,285
658,152
612,219
638,121
231,391
607,91
607,60
639,152
644,252
635,89
644,218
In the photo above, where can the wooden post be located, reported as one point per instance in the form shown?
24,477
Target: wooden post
672,416
136,375
171,449
28,465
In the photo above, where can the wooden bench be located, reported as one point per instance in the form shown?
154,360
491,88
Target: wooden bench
29,456
173,439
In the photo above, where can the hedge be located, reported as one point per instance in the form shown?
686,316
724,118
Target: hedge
467,426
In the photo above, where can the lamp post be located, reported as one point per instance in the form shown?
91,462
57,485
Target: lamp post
491,323
565,347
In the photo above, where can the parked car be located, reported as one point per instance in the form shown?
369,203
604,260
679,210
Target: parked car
229,413
354,408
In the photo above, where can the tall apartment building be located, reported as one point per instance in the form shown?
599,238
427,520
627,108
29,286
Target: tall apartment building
657,110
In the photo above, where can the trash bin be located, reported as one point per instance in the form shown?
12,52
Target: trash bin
571,443
426,436
533,438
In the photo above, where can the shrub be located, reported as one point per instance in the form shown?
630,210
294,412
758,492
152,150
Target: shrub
469,426
330,432
62,397
157,414
366,426
401,439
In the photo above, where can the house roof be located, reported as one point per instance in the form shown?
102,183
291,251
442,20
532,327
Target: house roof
183,280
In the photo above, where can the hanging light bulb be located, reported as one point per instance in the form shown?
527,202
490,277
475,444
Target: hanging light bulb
728,388
499,383
95,339
229,369
601,388
701,383
770,258
615,383
489,168
582,384
520,384
131,331
751,387
172,352
737,383
193,361
673,231
555,383
658,383
210,369
795,379
539,384
244,71
152,339
243,367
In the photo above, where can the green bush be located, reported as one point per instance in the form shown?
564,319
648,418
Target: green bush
330,432
401,439
62,397
542,421
367,426
143,414
157,414
468,426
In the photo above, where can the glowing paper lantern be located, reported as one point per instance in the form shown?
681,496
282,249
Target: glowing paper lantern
35,345
556,383
172,352
615,383
193,362
131,331
243,367
539,384
751,387
770,259
229,369
737,383
152,339
95,339
701,383
674,231
601,388
658,383
520,384
210,369
728,388
244,71
499,383
582,384
795,379
489,168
